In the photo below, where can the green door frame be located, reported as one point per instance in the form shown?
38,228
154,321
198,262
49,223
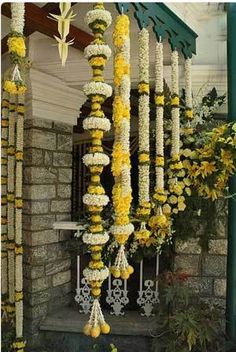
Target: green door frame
231,259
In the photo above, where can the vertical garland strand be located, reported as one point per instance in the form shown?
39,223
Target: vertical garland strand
144,207
10,205
175,105
122,195
188,89
19,344
96,123
4,145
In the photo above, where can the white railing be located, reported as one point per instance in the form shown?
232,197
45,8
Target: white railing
117,293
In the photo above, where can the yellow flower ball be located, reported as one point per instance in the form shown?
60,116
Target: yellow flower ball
96,256
87,329
124,274
16,45
96,291
105,328
166,209
173,200
10,87
130,269
95,331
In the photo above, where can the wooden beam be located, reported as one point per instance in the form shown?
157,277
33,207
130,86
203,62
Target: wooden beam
36,20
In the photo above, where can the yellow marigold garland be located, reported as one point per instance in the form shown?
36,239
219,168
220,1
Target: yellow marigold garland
95,198
122,228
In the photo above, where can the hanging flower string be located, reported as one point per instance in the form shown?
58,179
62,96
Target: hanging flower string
4,145
144,207
188,89
95,199
160,222
122,228
17,49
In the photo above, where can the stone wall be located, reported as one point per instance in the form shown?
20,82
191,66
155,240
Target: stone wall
47,198
206,266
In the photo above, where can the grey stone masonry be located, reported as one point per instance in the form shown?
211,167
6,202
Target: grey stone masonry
47,172
206,267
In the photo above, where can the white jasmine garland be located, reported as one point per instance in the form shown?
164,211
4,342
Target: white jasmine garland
96,159
98,15
95,238
94,123
127,229
144,110
95,274
96,50
143,39
175,72
143,183
175,110
159,115
17,17
93,88
95,199
188,82
175,131
125,180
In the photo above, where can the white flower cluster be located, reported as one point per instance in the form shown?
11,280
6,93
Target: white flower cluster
126,229
99,200
143,39
17,17
95,238
98,15
159,115
144,182
97,123
188,82
92,88
95,274
96,50
175,110
91,159
143,114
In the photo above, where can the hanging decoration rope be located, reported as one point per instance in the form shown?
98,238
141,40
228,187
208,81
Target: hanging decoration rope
97,53
122,227
144,207
4,146
188,89
160,222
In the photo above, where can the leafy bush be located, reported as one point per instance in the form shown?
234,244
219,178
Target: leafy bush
184,321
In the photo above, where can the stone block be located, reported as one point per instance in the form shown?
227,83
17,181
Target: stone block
220,228
218,246
60,206
61,290
65,175
36,311
62,159
64,191
37,285
35,255
41,139
40,175
33,157
35,207
188,263
221,207
65,235
32,326
191,246
57,267
60,302
214,265
57,251
33,272
41,123
34,299
64,142
38,238
61,278
39,192
220,287
201,285
38,222
48,157
63,217
61,126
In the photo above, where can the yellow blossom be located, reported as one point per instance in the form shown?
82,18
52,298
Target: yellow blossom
16,45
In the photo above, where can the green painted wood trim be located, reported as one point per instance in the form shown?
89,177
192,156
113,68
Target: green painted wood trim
166,25
231,260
